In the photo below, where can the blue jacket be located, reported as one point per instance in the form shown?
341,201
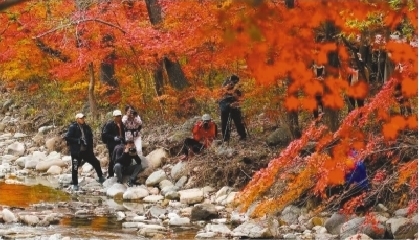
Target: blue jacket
358,176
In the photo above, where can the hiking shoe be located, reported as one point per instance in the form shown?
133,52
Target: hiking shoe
75,188
133,183
101,179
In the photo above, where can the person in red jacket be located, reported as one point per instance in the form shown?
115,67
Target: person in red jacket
203,132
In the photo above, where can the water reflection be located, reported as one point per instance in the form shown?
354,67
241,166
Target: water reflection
41,190
23,196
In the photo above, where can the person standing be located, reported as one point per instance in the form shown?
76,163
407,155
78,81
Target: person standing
80,140
124,156
230,108
114,134
133,124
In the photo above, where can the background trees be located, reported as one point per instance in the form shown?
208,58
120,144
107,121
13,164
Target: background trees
168,58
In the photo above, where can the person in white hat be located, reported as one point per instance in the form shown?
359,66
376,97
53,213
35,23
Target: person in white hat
133,124
113,134
80,140
203,132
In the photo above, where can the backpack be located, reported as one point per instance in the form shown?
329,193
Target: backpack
102,135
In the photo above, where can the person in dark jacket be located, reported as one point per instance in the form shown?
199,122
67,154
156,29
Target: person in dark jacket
115,134
124,155
230,108
80,140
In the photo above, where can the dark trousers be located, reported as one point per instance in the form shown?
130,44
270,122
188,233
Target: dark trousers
132,170
353,101
193,145
87,156
111,163
235,116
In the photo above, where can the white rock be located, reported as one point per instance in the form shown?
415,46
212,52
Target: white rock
178,170
153,198
45,165
217,228
87,167
54,170
135,193
21,161
181,221
16,149
156,157
20,135
191,196
8,216
120,215
31,164
210,235
223,191
155,178
117,188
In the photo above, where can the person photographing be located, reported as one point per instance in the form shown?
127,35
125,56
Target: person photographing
133,124
127,162
203,134
230,108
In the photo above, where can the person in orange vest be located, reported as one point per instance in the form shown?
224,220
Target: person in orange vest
203,132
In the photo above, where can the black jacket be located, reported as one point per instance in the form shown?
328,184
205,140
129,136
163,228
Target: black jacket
111,131
119,156
73,137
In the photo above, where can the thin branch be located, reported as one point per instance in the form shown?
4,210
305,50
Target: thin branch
7,4
78,22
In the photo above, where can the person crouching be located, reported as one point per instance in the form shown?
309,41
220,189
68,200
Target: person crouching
203,132
124,155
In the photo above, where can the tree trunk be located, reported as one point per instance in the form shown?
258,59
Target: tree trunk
175,74
107,71
292,116
331,116
92,100
174,71
154,11
158,79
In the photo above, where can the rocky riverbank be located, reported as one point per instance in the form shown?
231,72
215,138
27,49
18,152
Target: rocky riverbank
173,195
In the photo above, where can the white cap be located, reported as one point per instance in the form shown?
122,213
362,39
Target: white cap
206,117
79,115
117,113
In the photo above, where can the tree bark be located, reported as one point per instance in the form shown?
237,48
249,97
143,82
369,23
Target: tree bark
331,116
292,116
174,71
92,99
107,71
175,74
6,4
154,11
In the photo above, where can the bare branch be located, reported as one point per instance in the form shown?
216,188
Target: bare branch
9,3
78,22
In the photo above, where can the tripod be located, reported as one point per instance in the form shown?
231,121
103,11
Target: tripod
241,129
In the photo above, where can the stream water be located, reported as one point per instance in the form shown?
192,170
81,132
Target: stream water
42,190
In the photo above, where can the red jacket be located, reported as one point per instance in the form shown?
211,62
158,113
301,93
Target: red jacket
204,135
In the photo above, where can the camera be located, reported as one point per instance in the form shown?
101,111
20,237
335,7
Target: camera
133,112
132,150
83,142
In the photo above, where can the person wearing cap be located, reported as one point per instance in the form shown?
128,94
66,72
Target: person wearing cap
80,140
230,108
114,133
124,156
133,124
203,133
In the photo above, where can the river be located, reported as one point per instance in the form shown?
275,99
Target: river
39,191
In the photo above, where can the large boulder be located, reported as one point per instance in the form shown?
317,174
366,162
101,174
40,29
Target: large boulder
280,137
203,212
